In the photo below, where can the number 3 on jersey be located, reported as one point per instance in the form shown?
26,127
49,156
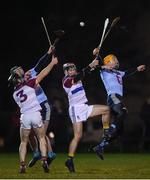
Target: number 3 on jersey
22,96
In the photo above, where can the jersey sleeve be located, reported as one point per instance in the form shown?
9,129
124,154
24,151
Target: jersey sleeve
83,73
130,72
68,81
42,62
33,73
31,82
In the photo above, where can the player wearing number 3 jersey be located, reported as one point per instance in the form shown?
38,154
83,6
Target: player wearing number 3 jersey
45,112
25,96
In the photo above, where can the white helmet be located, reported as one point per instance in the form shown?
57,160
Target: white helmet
14,77
68,66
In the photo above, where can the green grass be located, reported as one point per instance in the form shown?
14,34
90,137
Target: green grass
122,166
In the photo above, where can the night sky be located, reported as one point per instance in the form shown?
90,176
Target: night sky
23,40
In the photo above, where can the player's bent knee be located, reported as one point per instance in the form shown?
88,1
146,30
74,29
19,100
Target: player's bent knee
107,109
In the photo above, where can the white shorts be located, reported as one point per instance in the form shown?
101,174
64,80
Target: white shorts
79,113
31,120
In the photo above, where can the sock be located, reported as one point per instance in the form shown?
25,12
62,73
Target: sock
105,127
109,134
105,131
22,163
105,124
113,126
112,129
37,154
70,156
103,143
44,159
51,154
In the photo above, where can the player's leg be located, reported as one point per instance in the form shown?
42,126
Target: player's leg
38,127
51,155
42,145
24,135
120,113
112,132
46,112
77,128
33,141
105,112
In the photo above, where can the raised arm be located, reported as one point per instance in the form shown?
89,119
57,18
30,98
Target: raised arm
132,71
83,73
68,81
43,60
46,70
95,64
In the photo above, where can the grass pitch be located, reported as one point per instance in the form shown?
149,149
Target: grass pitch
88,166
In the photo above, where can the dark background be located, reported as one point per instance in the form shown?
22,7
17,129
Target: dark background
23,42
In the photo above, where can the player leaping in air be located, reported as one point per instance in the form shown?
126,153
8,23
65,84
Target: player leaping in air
112,79
45,112
79,110
25,96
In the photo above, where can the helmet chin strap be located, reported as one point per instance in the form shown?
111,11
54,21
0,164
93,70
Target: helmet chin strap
117,66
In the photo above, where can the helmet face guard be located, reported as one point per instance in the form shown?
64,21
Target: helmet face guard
13,69
69,66
14,77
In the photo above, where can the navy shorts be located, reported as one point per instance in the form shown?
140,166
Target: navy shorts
115,99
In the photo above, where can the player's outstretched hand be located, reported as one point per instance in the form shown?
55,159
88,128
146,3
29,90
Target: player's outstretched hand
95,51
51,50
94,63
141,68
54,60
